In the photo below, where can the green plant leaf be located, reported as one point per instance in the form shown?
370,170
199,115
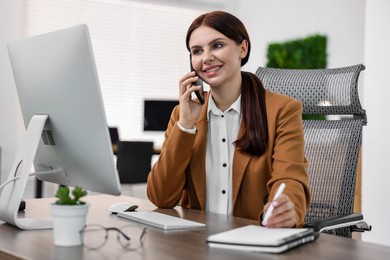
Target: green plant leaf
78,192
64,198
305,53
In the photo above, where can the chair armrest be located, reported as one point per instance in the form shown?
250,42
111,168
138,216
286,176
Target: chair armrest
354,220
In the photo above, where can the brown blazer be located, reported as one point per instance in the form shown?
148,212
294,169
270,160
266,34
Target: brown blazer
179,175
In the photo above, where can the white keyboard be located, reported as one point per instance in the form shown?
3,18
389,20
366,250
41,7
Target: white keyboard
160,220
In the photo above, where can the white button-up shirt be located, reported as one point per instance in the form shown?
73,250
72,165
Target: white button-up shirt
223,127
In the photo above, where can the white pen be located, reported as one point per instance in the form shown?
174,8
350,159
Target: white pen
279,191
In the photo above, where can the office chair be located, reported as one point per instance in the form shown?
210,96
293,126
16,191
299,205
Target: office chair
331,146
134,161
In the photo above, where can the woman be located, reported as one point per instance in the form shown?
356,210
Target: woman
230,155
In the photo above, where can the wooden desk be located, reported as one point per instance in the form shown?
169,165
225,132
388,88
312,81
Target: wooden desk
38,244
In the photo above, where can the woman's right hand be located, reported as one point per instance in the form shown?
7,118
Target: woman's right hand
189,109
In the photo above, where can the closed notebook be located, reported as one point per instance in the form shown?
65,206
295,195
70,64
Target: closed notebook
261,239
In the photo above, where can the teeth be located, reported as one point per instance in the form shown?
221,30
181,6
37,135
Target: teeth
214,69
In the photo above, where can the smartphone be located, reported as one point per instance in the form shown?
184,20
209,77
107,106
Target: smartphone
198,93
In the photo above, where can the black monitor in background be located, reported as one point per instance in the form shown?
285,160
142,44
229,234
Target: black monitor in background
114,135
157,114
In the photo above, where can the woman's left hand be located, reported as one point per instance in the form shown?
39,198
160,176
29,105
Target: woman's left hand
284,214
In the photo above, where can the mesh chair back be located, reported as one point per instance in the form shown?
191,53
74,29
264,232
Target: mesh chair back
331,146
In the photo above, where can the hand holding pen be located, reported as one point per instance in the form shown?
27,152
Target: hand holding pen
281,211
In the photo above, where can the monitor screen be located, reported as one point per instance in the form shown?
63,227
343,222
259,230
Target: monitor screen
157,114
114,135
55,75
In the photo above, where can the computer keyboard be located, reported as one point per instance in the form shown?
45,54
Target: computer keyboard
160,220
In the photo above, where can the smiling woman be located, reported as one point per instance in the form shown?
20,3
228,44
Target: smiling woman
232,153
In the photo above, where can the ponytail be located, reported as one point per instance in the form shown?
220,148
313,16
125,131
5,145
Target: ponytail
254,116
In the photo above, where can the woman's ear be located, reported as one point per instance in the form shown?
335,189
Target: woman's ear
244,49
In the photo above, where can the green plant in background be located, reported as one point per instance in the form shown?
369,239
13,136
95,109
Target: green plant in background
305,53
64,197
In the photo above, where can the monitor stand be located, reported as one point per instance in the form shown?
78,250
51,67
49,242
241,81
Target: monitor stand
12,193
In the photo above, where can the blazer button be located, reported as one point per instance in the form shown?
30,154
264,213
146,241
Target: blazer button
223,191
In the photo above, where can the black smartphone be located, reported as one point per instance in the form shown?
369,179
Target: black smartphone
198,93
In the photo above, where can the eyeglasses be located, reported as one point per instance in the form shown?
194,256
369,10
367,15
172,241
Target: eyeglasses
95,236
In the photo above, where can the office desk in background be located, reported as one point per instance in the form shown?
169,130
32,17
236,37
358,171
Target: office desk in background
159,244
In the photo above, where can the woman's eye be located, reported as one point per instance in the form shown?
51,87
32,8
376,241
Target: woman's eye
218,45
196,52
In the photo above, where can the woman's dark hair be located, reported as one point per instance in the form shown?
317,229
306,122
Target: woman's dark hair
253,110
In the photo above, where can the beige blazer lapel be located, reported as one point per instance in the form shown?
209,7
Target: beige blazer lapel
240,162
198,164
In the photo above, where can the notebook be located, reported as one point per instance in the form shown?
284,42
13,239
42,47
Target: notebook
261,239
160,220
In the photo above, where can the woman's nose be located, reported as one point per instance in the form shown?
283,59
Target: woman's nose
208,56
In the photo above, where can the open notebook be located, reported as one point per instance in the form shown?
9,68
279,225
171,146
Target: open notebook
261,239
160,220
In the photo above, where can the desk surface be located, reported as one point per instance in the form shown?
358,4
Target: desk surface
159,244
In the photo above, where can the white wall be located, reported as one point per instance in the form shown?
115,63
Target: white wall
280,20
376,142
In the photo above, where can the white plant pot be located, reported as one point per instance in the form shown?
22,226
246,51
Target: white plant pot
68,220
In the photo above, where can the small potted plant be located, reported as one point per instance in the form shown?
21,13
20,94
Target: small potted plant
69,216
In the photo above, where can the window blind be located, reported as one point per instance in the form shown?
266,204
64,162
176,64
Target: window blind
139,50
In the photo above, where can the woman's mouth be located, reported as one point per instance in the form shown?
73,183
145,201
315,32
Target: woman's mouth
212,70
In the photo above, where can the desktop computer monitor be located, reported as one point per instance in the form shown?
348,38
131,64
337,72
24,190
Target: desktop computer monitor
67,138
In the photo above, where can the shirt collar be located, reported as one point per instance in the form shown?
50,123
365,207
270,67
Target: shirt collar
212,107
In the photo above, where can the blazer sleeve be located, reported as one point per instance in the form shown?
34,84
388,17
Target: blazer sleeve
288,160
166,180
